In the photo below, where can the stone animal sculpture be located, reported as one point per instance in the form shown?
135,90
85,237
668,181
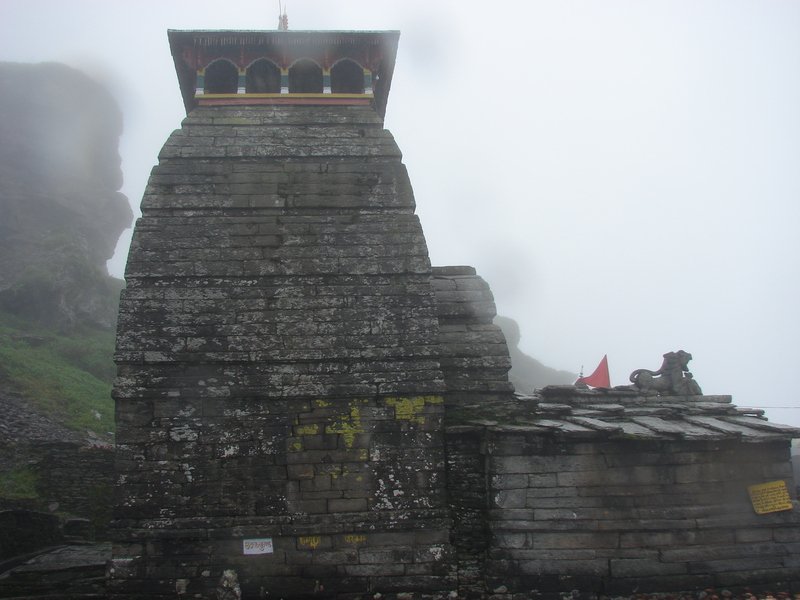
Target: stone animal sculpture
673,378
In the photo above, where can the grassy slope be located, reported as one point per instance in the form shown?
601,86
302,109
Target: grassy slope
67,377
19,483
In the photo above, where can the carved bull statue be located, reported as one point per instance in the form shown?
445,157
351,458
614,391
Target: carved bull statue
673,378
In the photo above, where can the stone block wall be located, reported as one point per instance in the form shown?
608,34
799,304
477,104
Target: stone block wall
619,516
475,365
474,358
278,361
466,487
78,480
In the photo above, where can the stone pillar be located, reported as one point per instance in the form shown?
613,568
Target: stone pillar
284,80
367,81
326,81
201,82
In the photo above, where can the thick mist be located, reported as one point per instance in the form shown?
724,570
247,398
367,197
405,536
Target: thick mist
624,174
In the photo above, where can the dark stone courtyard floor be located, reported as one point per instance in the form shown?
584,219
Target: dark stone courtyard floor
77,571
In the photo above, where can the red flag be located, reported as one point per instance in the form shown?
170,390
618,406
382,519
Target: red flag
600,376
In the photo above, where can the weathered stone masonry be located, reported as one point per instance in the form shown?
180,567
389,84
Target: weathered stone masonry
278,372
615,492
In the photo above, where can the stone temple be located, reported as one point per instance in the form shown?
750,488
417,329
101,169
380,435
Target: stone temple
306,408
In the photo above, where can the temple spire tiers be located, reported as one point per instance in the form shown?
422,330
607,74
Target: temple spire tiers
279,394
279,382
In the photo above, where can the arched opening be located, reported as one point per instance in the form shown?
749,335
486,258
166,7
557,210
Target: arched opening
263,77
305,77
222,77
347,77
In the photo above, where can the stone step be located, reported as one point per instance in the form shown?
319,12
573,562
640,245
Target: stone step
66,572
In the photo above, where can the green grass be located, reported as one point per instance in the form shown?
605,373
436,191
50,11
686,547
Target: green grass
66,376
18,484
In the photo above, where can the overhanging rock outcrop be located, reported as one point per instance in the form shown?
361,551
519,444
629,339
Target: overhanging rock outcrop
62,213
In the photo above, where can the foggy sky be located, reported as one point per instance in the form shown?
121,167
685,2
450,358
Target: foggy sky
624,174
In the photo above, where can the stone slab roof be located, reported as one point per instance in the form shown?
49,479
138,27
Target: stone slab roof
573,412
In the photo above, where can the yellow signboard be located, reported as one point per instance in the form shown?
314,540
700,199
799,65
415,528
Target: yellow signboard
770,497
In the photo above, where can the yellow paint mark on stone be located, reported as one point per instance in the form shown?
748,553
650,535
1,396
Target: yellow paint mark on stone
345,472
349,426
355,539
409,409
310,541
312,429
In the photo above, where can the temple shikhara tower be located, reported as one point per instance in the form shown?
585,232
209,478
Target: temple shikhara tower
280,393
306,408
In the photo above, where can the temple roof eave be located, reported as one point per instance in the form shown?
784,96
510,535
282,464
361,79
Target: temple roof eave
582,414
374,50
179,37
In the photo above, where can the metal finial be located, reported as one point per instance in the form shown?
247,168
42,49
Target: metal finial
283,18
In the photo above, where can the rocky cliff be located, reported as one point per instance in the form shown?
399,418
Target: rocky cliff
59,181
62,215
